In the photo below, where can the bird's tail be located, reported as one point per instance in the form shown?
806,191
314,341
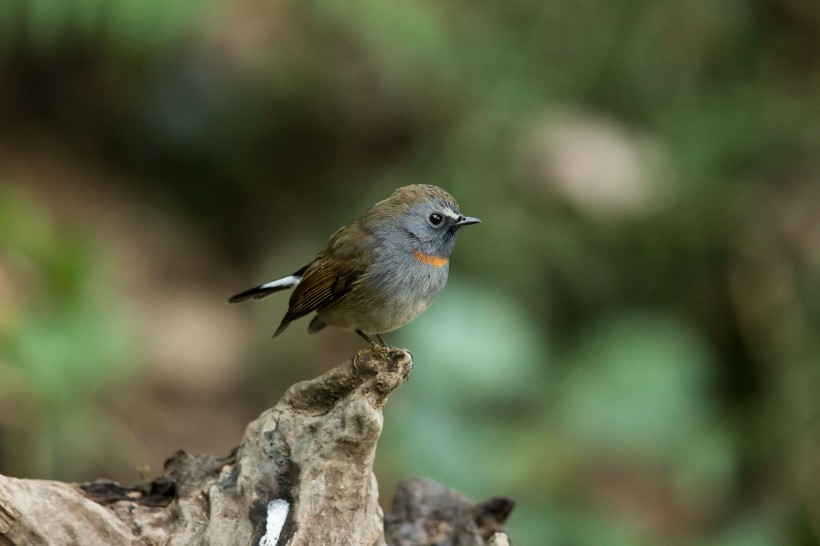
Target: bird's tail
268,288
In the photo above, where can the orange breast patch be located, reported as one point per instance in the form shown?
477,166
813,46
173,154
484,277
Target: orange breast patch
435,261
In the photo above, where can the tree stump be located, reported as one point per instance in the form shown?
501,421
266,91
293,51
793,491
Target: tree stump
303,475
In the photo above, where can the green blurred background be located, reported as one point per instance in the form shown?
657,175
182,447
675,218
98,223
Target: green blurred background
629,344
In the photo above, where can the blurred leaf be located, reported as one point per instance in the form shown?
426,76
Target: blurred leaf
481,341
65,341
118,27
636,386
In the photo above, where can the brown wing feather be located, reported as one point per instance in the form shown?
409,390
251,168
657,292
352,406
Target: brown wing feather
322,287
330,277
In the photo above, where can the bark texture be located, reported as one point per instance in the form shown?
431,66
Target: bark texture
302,476
425,512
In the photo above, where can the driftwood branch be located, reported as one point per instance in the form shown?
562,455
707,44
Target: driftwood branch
302,476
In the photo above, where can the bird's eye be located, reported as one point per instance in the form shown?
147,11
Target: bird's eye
435,218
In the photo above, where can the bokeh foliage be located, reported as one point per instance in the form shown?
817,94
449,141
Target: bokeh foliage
63,339
629,342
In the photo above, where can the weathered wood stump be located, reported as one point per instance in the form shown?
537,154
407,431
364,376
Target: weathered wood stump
303,475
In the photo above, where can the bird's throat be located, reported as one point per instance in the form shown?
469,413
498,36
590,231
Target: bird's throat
435,261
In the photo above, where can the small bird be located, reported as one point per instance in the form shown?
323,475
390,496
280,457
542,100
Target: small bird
379,272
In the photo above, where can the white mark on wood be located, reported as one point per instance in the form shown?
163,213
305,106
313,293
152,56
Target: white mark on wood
277,513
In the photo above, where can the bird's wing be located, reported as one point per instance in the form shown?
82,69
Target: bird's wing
331,276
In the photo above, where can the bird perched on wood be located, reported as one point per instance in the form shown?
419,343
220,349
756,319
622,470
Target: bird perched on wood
379,272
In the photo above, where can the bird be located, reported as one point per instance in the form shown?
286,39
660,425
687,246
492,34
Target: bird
379,272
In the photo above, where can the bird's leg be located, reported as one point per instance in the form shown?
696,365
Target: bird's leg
364,336
379,337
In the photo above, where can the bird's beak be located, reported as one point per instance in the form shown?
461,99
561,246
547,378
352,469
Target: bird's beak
467,220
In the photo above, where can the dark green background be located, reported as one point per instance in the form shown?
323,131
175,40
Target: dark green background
629,343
